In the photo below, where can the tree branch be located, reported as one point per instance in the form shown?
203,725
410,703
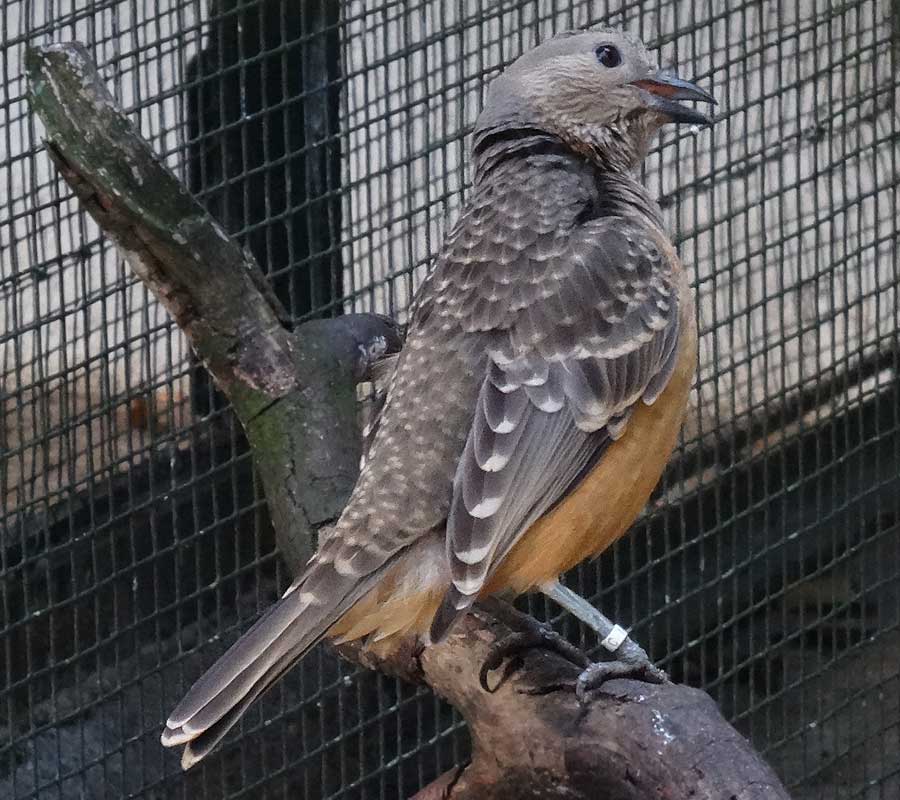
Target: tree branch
532,739
295,394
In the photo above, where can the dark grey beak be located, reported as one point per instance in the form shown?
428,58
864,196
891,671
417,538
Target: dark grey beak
664,89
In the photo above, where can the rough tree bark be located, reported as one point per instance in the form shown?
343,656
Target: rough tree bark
294,392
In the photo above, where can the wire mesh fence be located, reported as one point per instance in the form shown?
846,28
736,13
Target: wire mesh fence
330,138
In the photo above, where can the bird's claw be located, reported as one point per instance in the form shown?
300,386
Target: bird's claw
629,661
540,636
635,664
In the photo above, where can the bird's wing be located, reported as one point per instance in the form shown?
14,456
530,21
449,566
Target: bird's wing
380,375
600,336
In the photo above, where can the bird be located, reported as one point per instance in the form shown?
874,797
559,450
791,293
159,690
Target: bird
538,396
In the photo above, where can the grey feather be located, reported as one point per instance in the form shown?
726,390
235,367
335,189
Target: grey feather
203,743
594,342
379,376
658,382
494,439
286,631
503,410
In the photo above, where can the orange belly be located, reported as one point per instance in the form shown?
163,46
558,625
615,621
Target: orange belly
593,516
606,502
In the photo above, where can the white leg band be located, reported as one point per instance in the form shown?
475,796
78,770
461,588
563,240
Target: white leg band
613,640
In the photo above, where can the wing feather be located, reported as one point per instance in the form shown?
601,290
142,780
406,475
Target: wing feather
599,336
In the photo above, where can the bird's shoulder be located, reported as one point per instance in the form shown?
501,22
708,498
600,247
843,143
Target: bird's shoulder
530,238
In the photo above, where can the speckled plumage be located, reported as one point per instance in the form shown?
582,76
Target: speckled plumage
553,310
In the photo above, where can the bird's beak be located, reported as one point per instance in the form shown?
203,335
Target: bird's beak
665,88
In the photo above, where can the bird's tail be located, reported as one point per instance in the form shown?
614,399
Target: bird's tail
312,604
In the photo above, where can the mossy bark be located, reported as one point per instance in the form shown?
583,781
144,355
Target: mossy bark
294,392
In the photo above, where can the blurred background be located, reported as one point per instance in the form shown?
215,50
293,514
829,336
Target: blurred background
331,139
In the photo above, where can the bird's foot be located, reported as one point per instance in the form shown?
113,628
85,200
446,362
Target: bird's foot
628,661
537,636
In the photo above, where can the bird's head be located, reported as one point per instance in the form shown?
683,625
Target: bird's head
599,91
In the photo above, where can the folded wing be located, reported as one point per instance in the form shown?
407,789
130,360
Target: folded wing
595,332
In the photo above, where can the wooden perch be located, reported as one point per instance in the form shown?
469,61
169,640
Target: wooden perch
295,395
532,739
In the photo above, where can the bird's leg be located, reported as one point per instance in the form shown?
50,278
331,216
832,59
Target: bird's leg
629,660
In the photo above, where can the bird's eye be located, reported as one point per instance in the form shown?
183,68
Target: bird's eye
608,55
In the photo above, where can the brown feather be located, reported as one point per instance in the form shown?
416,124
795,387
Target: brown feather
593,516
606,502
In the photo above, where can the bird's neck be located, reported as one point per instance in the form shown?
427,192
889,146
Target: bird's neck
622,194
494,148
619,145
618,190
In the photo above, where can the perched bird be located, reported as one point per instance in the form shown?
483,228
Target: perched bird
540,390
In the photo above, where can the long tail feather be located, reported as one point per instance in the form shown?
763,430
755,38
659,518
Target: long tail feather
203,743
276,641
